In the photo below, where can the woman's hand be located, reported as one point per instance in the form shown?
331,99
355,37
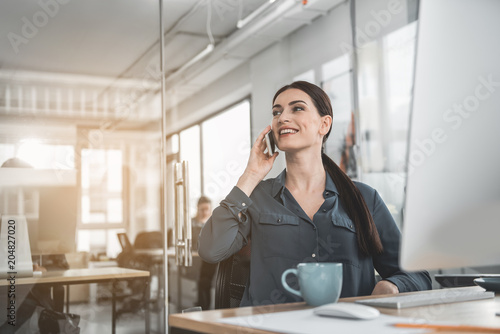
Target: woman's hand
385,288
259,164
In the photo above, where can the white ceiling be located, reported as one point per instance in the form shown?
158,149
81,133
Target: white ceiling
111,39
84,37
108,38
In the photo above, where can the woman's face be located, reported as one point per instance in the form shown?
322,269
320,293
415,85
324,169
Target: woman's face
297,123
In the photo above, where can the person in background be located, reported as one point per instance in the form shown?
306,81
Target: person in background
207,271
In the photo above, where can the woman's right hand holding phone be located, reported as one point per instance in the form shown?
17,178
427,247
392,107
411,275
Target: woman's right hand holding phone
259,164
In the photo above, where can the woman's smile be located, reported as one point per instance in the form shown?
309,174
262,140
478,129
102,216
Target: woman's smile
285,131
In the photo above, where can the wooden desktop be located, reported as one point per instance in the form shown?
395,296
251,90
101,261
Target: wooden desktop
86,276
476,313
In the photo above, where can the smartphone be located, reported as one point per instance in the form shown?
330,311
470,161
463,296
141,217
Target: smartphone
270,143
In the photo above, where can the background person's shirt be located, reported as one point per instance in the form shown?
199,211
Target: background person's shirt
283,235
196,227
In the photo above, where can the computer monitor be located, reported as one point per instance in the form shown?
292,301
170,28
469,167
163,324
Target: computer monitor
452,205
54,232
49,203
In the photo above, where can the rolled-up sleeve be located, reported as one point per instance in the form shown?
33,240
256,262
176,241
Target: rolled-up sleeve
387,263
226,232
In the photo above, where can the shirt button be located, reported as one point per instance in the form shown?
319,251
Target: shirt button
279,220
350,226
314,255
327,193
243,204
324,210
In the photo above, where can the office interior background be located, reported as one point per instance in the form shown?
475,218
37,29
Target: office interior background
81,103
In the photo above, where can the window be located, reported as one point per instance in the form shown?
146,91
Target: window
44,156
400,46
337,84
102,185
40,155
385,90
225,156
102,209
100,241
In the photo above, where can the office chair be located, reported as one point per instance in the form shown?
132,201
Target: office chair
124,242
129,258
148,240
231,279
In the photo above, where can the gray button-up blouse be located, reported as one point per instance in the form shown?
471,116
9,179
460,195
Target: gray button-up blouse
283,235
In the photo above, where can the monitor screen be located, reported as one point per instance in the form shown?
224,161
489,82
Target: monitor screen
452,205
49,203
54,232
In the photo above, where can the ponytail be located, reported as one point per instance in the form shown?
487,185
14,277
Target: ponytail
367,235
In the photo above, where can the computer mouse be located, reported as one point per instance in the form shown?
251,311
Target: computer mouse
347,310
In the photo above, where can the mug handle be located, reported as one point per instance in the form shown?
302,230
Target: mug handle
285,284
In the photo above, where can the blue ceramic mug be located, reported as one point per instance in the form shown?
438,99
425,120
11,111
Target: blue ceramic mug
320,283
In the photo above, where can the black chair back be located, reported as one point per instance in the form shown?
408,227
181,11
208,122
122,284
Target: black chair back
232,278
125,242
148,240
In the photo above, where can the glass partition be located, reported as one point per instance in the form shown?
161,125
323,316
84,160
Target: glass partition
80,142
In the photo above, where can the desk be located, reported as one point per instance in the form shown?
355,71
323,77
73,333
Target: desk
156,253
479,313
93,292
156,259
86,276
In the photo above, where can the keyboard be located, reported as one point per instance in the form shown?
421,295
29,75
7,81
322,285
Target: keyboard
431,297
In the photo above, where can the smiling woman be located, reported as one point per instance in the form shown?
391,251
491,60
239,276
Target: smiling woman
315,117
311,212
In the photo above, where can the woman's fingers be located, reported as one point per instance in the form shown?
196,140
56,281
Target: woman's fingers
273,157
260,143
259,162
261,136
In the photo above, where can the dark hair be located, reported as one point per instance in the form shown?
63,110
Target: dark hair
203,200
350,196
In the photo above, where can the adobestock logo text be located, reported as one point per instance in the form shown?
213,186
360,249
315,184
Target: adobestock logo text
32,25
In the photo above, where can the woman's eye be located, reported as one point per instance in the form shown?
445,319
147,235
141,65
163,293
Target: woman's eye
276,112
297,108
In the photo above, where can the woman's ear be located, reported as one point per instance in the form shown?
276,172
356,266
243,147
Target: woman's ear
326,123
